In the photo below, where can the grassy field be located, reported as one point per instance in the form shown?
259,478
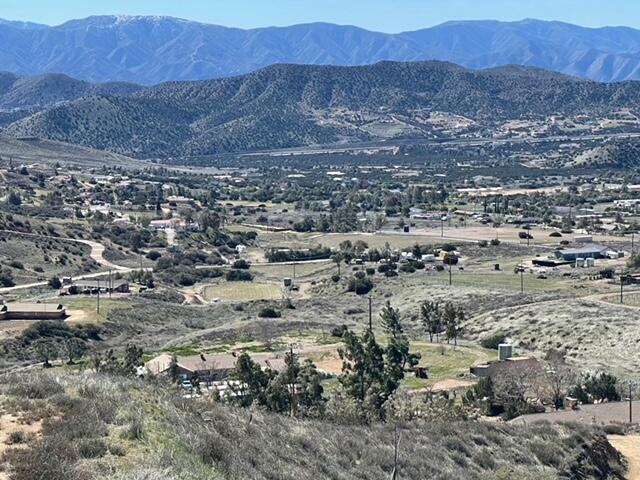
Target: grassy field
278,272
242,291
84,309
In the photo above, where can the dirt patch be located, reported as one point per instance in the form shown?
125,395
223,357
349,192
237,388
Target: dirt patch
629,446
452,384
11,424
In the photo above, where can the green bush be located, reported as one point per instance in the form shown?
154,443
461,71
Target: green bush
360,286
493,341
269,312
239,276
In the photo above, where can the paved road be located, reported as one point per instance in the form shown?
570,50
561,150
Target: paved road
97,251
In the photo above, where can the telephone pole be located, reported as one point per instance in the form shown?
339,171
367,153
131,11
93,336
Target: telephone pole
630,404
98,298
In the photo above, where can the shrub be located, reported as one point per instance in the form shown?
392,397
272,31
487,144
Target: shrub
493,341
339,331
390,273
555,234
407,268
153,255
269,312
241,264
370,271
239,276
494,242
360,286
92,448
335,278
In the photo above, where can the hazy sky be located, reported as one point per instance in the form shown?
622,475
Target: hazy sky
381,15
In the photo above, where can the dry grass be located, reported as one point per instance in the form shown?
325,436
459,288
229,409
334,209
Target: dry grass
242,291
101,427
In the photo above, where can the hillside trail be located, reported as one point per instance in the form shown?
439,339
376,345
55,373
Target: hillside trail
629,446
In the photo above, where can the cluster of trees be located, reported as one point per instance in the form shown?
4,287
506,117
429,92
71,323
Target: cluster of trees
275,255
438,319
178,268
296,390
371,372
110,363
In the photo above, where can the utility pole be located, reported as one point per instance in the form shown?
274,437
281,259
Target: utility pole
521,280
98,298
110,283
293,385
630,404
621,285
370,315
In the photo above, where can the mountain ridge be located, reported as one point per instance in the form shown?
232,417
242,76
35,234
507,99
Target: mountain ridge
290,105
151,50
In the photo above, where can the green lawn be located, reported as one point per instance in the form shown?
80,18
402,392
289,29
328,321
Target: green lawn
444,362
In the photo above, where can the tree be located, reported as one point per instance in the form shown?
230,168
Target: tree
431,318
337,258
132,359
46,350
14,199
174,371
253,381
370,373
452,318
74,349
397,354
55,283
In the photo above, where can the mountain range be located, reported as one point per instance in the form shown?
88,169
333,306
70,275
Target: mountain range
150,50
298,105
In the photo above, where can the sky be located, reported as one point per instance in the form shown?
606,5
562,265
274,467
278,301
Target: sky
379,15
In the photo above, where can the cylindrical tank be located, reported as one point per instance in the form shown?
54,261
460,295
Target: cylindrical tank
505,351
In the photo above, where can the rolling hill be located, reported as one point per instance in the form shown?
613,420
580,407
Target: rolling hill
150,50
25,92
293,105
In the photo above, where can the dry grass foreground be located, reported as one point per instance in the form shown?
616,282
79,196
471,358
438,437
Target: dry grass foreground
98,427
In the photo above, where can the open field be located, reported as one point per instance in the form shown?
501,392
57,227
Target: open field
242,291
276,271
83,309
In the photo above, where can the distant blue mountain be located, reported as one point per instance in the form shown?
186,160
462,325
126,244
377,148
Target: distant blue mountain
150,50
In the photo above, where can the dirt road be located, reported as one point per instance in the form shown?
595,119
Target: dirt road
97,251
629,446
